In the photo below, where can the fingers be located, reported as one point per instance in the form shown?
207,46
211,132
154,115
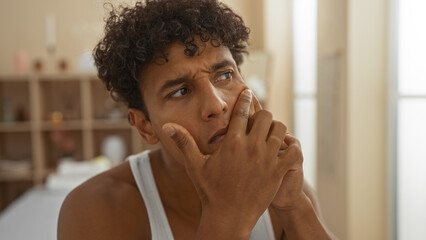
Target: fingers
186,144
291,155
240,114
276,136
289,139
261,122
256,104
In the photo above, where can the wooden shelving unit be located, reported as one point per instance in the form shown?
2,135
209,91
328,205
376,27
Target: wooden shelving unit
34,109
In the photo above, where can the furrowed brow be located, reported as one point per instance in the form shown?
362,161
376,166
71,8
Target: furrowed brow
221,64
171,83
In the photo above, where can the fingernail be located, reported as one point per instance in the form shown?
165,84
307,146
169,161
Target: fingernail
169,130
247,92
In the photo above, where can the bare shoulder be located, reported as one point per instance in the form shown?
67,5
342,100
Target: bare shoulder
107,206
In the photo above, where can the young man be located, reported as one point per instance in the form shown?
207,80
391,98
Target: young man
225,169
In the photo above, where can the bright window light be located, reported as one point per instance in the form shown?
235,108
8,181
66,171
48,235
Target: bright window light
411,169
304,46
411,120
305,116
412,47
305,82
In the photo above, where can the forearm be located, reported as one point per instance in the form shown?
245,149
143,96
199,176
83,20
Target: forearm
302,222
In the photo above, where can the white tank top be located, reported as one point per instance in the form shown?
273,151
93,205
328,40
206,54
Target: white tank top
160,228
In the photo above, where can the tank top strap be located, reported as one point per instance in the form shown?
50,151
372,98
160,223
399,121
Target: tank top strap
142,172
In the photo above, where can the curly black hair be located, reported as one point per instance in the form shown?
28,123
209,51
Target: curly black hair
137,35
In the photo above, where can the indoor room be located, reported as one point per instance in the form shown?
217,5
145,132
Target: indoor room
346,77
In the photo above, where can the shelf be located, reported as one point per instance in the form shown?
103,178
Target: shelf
63,98
16,145
44,117
15,126
15,101
14,78
7,176
57,144
111,124
65,125
65,77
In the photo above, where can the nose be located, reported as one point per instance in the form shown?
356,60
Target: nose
213,104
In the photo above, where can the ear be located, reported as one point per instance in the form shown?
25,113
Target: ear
145,129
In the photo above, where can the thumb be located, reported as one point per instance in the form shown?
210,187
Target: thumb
186,144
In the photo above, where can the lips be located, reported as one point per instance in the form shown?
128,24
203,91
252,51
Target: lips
218,135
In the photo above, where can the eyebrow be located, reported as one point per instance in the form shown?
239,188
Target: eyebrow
173,82
221,64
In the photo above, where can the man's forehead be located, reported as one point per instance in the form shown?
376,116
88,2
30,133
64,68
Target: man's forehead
205,51
178,63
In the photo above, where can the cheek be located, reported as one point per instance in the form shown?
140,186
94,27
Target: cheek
181,117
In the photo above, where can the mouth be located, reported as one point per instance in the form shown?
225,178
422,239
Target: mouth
218,136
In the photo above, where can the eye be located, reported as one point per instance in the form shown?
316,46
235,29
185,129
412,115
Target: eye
225,76
180,92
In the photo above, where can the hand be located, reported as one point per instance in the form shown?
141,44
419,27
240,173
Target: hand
290,193
242,177
291,189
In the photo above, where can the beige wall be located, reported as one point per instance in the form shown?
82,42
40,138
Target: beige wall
332,108
367,126
352,43
278,44
22,24
79,25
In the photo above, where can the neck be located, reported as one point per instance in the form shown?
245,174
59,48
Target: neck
175,187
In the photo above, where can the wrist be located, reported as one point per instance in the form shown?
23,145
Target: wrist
301,221
220,224
296,203
302,205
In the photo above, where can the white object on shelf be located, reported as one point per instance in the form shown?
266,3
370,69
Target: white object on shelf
86,63
97,165
51,33
114,148
70,173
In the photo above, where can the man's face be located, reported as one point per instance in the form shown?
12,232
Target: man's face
198,93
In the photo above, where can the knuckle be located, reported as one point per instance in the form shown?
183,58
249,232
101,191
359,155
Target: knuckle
265,114
256,149
235,140
275,140
234,137
280,125
268,114
296,151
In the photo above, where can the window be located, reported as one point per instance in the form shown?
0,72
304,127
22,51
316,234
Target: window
305,81
408,121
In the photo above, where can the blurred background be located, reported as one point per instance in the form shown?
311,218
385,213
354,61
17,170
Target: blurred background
348,77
